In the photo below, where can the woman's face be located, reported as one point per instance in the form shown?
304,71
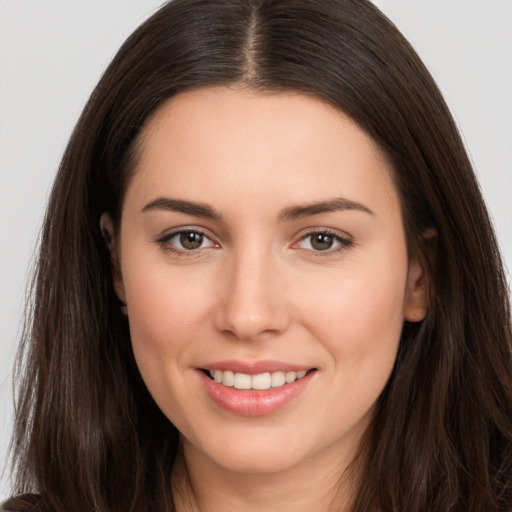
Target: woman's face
262,242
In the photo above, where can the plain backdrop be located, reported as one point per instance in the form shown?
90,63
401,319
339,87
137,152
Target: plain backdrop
52,53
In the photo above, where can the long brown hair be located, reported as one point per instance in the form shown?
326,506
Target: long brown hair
88,434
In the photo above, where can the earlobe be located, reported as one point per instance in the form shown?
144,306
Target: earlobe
108,232
416,295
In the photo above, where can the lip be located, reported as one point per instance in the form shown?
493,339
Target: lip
255,367
252,402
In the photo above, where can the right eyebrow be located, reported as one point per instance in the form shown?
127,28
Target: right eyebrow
339,204
181,206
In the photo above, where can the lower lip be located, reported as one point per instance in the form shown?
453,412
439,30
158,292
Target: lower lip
252,402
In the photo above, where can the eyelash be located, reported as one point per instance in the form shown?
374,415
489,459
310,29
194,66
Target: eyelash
165,242
343,242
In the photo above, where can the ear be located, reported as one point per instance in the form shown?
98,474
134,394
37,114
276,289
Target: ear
108,232
416,294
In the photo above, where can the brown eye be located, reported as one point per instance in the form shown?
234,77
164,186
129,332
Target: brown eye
186,242
322,241
191,240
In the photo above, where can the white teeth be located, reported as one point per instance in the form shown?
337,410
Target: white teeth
242,381
261,381
228,378
290,377
278,379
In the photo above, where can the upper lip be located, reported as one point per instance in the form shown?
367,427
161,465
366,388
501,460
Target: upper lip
256,367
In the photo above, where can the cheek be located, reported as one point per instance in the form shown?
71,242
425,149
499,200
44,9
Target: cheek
165,312
358,313
165,309
358,320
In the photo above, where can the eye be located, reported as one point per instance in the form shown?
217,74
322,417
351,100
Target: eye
191,240
322,241
186,240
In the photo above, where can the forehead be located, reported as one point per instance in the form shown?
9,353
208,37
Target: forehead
298,147
242,110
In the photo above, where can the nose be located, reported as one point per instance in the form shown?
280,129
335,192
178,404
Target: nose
252,298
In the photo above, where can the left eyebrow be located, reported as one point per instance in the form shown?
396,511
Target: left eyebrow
181,206
333,205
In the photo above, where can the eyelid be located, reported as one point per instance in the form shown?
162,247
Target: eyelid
164,240
344,240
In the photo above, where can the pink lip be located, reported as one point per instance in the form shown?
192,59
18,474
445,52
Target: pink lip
255,367
252,402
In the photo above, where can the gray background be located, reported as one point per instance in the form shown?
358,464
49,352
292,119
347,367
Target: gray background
52,53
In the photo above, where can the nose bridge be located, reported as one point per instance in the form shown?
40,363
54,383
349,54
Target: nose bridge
252,294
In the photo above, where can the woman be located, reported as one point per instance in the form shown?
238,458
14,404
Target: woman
267,280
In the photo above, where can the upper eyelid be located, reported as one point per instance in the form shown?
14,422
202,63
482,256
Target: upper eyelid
334,232
303,233
341,239
344,240
185,229
169,235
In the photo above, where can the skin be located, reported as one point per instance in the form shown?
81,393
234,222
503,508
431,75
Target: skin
258,289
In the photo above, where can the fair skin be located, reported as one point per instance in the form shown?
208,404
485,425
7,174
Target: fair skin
254,279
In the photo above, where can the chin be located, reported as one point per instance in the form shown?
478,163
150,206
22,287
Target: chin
252,452
261,463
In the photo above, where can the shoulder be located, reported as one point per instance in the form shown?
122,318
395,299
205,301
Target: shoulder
25,503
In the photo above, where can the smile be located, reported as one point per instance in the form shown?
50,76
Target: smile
261,381
255,394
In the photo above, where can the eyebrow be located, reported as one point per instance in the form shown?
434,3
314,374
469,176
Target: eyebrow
187,207
293,213
333,205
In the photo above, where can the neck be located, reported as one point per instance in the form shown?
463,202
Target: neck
320,484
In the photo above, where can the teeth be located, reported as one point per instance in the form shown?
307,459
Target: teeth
228,378
290,377
261,381
242,381
278,379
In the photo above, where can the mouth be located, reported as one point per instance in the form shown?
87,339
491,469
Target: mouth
257,388
258,382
